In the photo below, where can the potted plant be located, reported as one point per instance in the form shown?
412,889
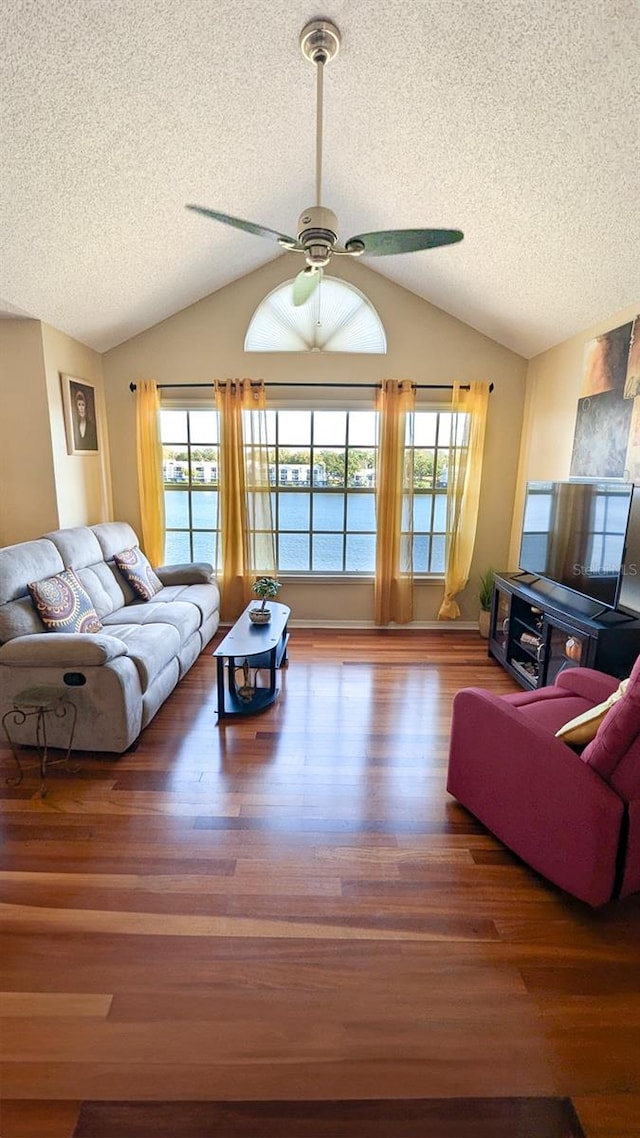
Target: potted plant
485,596
266,588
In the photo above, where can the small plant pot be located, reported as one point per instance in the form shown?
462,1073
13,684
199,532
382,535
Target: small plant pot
484,622
259,616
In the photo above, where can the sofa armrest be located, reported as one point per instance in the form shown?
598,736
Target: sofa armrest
61,649
535,794
587,682
191,573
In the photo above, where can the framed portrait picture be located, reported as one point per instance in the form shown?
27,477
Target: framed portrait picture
80,415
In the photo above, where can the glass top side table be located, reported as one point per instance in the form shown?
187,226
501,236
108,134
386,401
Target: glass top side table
40,702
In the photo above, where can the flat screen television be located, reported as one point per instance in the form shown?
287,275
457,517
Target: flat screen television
574,534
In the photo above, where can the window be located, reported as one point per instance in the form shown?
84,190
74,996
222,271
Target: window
190,465
323,478
337,317
431,441
322,473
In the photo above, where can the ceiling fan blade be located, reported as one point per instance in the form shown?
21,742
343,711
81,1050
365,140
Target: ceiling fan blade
387,242
305,285
248,226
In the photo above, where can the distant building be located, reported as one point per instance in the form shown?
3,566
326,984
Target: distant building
298,474
176,470
365,477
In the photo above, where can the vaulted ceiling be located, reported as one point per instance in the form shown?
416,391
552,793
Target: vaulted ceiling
517,122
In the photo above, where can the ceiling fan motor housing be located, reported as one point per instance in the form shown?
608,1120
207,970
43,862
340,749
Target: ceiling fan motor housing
317,233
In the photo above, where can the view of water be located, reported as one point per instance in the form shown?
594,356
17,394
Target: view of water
322,550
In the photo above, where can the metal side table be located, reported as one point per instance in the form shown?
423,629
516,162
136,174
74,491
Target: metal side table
42,702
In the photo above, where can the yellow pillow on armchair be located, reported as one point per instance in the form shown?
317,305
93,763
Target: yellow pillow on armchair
582,729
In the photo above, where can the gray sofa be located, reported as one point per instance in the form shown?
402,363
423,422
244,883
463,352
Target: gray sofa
119,677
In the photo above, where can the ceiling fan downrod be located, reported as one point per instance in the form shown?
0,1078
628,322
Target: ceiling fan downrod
318,226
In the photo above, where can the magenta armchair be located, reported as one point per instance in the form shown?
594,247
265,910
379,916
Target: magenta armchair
575,818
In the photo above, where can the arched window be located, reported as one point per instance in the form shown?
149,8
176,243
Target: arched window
336,318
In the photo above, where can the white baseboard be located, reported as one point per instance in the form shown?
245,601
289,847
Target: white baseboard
453,625
440,625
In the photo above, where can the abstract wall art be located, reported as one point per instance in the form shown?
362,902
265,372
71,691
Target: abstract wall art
606,441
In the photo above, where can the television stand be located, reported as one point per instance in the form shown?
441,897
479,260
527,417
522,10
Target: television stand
537,630
612,616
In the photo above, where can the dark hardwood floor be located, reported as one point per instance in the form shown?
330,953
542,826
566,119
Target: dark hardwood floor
290,907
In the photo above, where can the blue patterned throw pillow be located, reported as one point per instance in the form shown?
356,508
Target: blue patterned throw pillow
134,566
63,604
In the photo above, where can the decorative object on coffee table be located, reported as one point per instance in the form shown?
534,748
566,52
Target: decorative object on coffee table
267,588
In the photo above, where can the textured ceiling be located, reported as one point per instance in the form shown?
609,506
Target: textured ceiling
516,121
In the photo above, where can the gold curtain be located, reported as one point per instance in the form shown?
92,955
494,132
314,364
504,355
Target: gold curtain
393,596
248,541
463,489
150,478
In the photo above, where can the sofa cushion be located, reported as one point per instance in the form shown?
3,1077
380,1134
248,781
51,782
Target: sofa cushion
78,546
29,561
63,604
205,597
19,618
106,587
538,695
550,708
618,730
137,570
150,646
184,617
80,549
114,536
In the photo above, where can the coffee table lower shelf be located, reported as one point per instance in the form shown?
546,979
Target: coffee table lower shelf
246,651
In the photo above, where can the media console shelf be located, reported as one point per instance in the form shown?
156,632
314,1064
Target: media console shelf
538,628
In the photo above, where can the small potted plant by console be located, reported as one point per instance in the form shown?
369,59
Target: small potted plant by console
266,588
485,596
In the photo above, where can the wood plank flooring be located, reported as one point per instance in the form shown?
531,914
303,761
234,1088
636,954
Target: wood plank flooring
291,908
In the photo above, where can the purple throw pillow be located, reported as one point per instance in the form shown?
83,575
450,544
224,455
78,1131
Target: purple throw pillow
135,567
63,604
618,729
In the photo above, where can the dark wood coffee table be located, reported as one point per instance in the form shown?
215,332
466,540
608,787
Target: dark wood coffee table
248,649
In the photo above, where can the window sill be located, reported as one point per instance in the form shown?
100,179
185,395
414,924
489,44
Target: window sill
299,578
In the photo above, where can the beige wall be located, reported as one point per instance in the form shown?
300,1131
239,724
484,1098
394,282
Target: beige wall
82,481
42,487
530,429
205,341
553,387
28,505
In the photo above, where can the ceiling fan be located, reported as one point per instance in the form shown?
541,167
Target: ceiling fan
318,226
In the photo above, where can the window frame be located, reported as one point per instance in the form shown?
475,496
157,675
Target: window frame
423,572
190,485
311,488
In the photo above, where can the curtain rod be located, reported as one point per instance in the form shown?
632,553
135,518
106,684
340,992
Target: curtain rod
417,386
